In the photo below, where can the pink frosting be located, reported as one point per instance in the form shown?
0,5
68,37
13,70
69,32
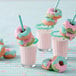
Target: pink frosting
70,35
50,11
18,31
60,68
7,50
48,64
68,25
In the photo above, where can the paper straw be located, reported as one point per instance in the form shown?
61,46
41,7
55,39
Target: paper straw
57,4
21,22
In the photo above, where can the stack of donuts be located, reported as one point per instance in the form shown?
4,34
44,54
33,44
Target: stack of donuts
51,19
57,64
24,38
4,51
69,29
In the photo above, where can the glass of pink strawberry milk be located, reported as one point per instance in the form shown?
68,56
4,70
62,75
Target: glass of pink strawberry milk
44,37
28,55
59,45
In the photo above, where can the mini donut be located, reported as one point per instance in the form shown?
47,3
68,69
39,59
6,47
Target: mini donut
2,50
26,42
20,35
46,64
9,54
70,26
49,21
67,34
59,64
1,42
54,14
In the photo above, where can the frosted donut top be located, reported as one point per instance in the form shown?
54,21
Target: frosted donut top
52,12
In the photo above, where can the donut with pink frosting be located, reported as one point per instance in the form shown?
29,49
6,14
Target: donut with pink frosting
59,64
22,35
26,42
70,26
49,21
54,14
68,30
46,64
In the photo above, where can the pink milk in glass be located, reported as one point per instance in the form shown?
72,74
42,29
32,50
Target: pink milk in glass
59,46
28,56
44,38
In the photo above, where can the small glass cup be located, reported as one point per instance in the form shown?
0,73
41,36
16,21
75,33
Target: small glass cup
44,37
28,55
59,45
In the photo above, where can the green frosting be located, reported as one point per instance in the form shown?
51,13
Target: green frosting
1,46
60,58
1,40
55,35
59,12
25,33
49,19
45,62
13,52
20,42
73,23
64,30
35,41
54,68
42,26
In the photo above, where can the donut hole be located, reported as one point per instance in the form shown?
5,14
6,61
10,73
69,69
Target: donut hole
61,63
22,31
71,23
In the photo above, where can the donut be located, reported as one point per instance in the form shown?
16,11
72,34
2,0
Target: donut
26,42
49,21
9,54
54,14
70,26
2,50
59,64
46,64
1,42
22,35
67,34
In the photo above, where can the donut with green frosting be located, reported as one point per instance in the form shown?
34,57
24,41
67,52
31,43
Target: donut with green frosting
59,64
22,35
9,54
49,21
70,26
54,14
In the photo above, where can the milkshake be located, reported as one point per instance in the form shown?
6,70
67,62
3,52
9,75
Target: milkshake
28,56
27,43
44,38
59,45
